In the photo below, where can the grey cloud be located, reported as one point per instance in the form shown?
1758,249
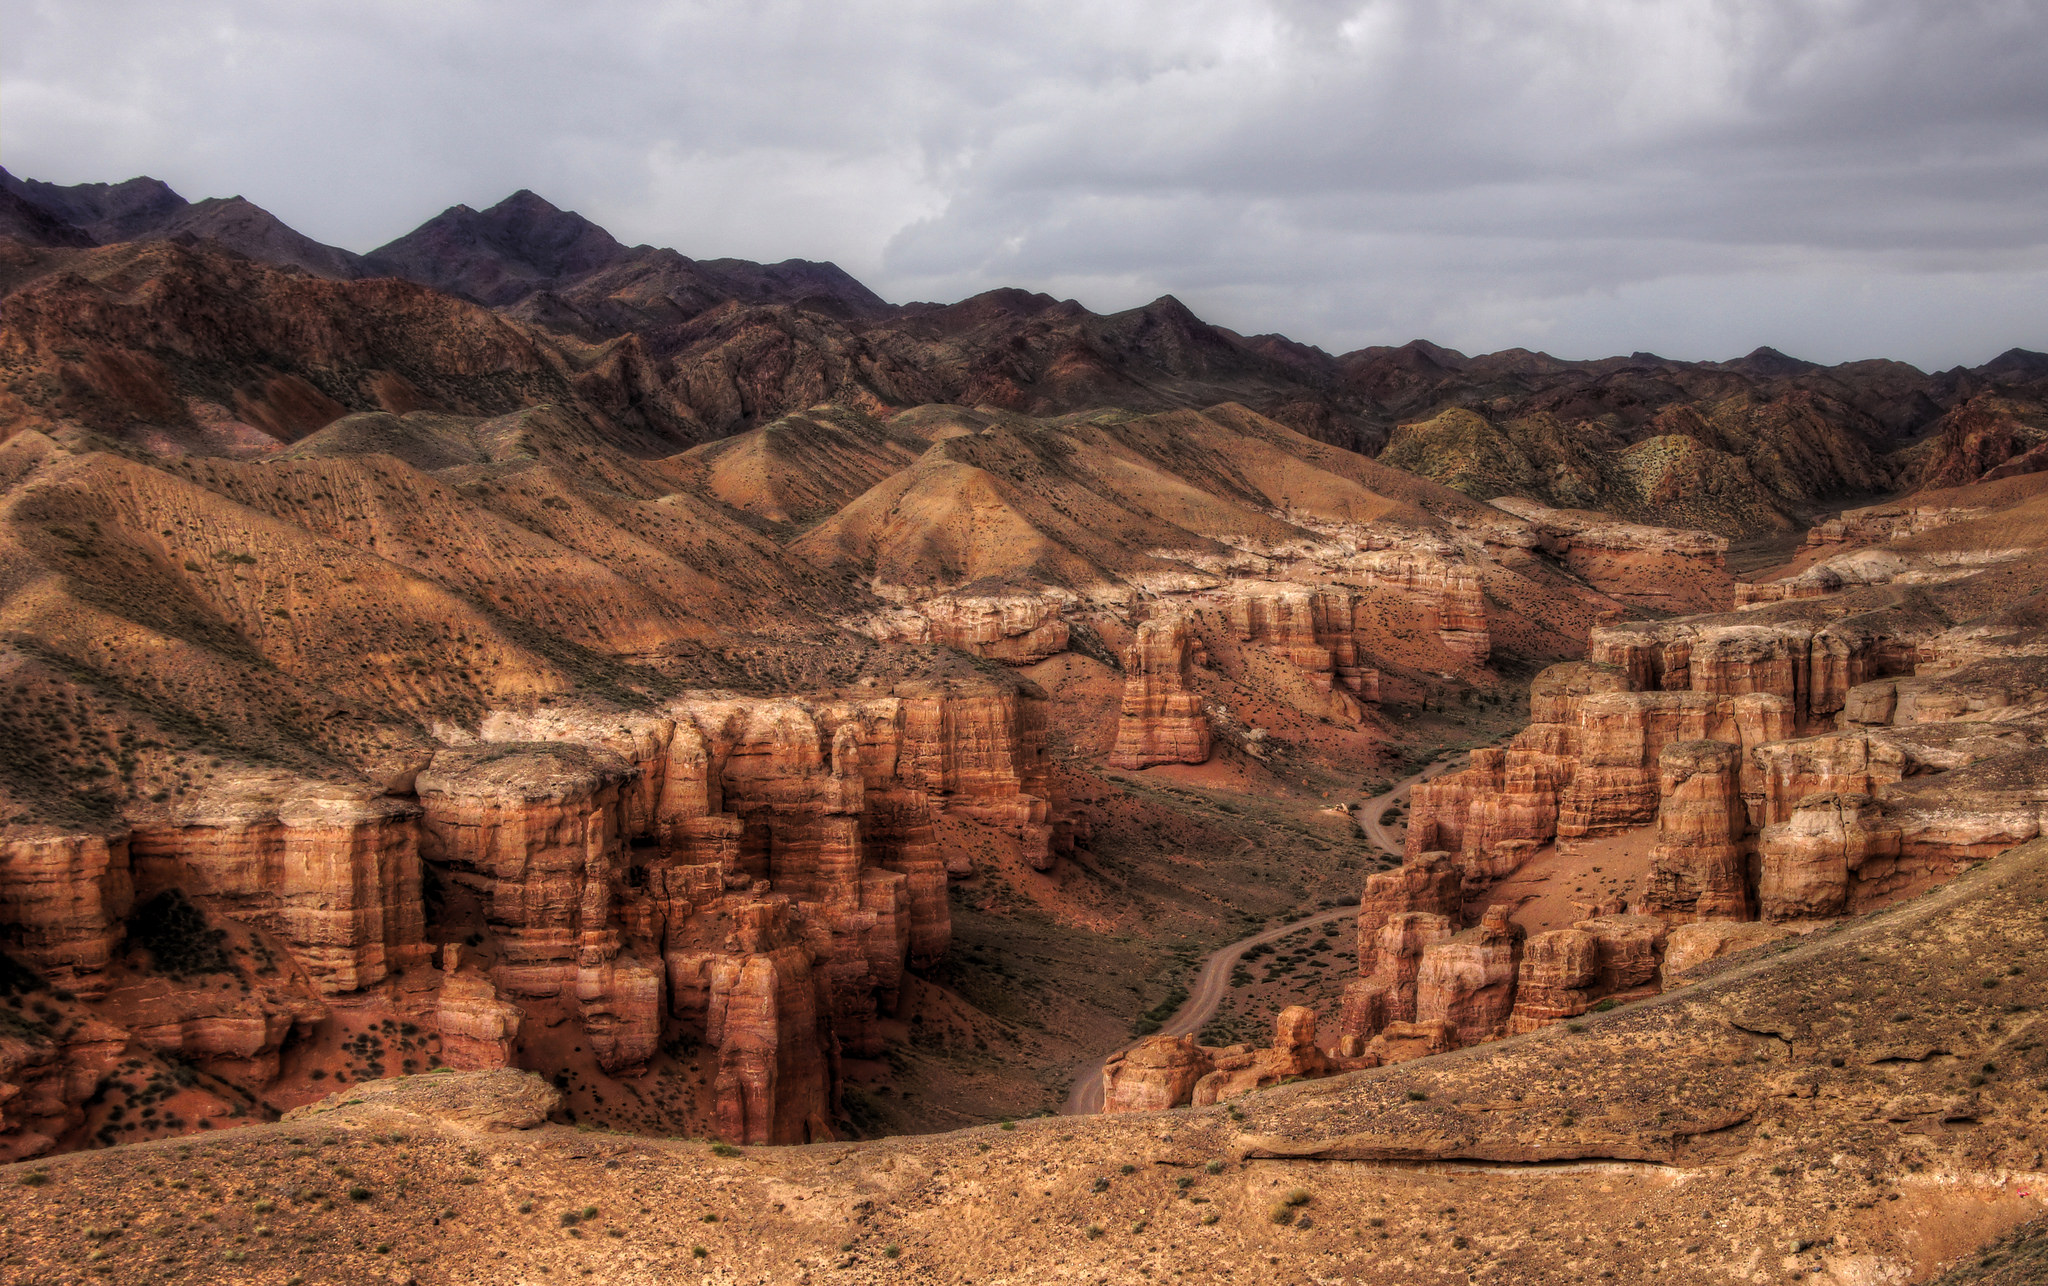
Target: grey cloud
1835,177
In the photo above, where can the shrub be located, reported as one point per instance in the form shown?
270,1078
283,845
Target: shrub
1100,1185
36,1179
1214,1167
1295,1197
1094,1231
1127,1168
358,1192
1210,1218
570,1218
1417,1096
725,1150
891,1250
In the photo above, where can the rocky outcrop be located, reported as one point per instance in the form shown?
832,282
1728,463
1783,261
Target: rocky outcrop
63,897
1555,979
1387,994
333,872
765,1012
1812,860
1491,814
1017,629
1162,721
1450,591
479,1028
480,1100
1312,629
1813,666
1294,1053
1158,1073
1697,871
1467,982
1622,736
1431,883
1691,946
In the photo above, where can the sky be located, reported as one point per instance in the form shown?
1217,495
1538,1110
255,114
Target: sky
1838,179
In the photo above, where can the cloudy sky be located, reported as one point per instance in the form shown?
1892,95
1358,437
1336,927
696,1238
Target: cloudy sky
1837,178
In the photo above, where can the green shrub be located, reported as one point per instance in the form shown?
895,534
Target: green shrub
725,1150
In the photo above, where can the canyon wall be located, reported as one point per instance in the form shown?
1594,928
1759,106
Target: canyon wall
753,874
1162,721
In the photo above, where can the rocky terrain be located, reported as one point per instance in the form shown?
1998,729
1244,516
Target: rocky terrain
1858,1105
771,715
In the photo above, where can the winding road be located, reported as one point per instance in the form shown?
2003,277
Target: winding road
1213,981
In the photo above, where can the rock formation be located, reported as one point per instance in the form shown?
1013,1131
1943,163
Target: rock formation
1294,1053
1159,1073
1697,871
1555,979
1430,883
1467,982
1312,629
1387,992
1162,720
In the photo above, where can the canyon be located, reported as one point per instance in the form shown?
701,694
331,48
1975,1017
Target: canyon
511,681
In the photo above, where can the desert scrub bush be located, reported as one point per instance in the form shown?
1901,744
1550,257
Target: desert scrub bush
891,1251
357,1192
1214,1167
571,1218
1210,1218
1127,1168
1094,1230
1100,1185
1417,1096
698,1252
725,1150
37,1178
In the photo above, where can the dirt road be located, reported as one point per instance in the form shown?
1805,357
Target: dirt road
1214,980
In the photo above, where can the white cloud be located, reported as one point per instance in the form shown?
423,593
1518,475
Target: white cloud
1836,177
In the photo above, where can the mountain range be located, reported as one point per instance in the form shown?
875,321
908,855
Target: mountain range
671,351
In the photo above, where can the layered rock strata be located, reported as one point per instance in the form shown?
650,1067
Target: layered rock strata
1314,630
1173,1071
754,874
1162,721
1697,870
